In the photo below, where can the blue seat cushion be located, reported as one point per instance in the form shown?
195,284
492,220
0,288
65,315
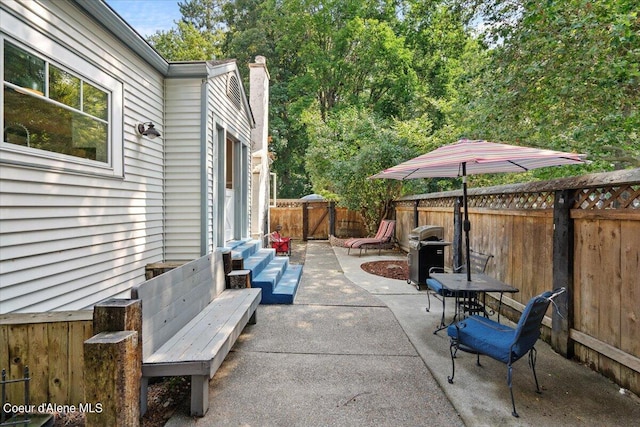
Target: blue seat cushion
485,336
436,287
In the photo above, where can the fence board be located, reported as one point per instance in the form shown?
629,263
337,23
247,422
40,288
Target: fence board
4,348
58,345
609,273
38,361
51,344
79,332
630,301
18,358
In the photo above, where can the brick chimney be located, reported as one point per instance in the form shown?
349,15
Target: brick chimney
259,102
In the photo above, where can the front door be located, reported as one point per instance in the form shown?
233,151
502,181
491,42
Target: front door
229,200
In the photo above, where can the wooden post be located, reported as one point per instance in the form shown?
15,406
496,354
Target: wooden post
457,233
112,379
113,357
332,218
562,272
118,315
227,263
239,279
305,221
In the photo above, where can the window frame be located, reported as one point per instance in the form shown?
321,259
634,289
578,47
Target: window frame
65,58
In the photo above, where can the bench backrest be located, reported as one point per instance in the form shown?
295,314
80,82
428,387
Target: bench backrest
172,299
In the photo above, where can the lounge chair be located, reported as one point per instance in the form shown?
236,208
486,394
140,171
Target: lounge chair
382,240
480,335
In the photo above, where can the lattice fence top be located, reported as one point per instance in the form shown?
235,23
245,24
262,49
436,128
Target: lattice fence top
296,203
613,197
538,200
626,196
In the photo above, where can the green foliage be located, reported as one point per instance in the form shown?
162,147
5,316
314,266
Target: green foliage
346,150
187,43
566,76
361,85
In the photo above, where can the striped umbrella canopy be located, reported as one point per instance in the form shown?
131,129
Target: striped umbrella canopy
477,157
472,157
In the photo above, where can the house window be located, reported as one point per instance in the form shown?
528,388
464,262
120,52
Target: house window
52,109
229,164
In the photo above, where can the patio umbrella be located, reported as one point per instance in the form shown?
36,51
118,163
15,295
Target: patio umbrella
471,157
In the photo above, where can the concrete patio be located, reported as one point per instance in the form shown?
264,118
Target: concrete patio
357,349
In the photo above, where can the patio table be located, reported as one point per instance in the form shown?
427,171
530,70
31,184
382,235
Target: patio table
465,289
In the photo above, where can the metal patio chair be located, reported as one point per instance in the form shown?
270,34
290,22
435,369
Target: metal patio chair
481,335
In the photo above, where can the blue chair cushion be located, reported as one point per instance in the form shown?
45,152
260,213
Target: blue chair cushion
436,287
485,336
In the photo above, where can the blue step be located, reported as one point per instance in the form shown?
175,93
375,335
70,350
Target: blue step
259,261
243,248
279,282
277,278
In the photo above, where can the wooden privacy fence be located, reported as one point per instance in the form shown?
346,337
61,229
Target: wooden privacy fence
51,345
582,233
315,220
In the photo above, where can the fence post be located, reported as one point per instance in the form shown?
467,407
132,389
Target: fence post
117,315
457,233
113,363
332,218
305,221
562,319
112,379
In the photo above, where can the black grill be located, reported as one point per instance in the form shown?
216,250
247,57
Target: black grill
426,251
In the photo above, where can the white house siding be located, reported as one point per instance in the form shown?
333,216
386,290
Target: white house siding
183,169
236,123
69,240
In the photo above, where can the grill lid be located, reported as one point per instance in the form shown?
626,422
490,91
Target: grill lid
427,232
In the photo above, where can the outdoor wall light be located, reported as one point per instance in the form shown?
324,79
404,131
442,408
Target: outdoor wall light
150,130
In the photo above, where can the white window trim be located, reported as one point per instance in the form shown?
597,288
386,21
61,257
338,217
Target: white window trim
25,37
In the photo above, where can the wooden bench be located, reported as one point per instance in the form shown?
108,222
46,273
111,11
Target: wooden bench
189,324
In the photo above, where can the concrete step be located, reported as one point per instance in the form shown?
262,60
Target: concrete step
279,282
277,278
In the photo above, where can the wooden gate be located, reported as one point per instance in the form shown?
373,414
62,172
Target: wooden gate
315,220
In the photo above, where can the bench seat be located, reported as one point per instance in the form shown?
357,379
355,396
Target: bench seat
190,322
199,348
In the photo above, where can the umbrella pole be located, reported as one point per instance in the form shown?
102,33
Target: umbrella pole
466,224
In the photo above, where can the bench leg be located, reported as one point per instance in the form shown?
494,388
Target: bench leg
144,387
254,318
199,395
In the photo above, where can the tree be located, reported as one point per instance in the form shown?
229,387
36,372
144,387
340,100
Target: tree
322,55
349,147
562,75
187,43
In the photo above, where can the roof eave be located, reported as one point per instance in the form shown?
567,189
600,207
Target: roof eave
109,19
